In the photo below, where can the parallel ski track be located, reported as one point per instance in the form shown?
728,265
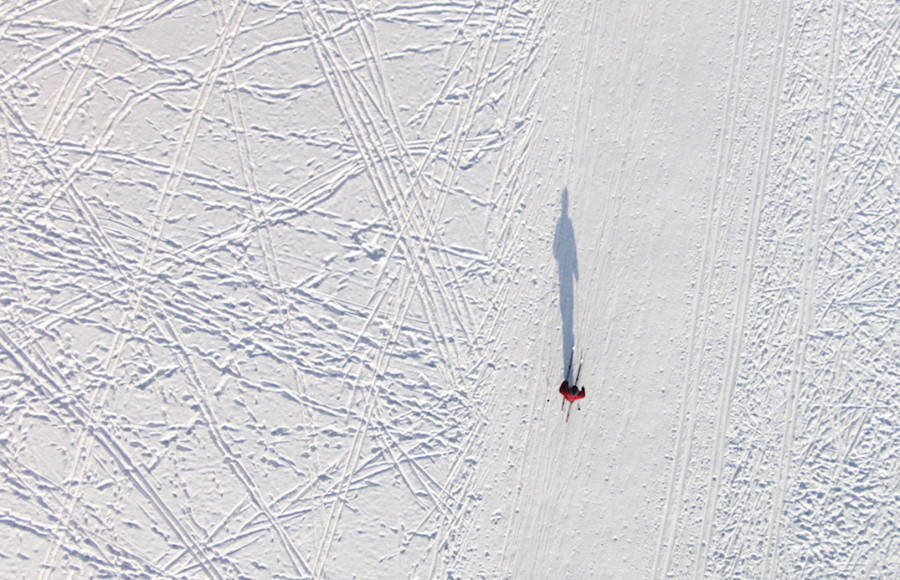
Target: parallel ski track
691,372
785,471
806,307
745,277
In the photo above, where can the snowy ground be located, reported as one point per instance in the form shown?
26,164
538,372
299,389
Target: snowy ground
287,288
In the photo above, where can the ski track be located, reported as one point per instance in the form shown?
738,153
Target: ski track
279,300
777,489
320,339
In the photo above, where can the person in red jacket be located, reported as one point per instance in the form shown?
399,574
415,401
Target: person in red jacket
571,392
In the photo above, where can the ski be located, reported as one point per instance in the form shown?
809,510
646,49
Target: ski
577,376
570,390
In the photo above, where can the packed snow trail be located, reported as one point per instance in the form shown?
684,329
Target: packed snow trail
735,257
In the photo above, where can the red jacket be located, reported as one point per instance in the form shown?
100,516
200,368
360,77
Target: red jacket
566,392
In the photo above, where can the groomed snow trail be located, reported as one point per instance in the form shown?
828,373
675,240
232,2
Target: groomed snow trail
287,289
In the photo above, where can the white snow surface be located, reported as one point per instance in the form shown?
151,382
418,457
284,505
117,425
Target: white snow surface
287,289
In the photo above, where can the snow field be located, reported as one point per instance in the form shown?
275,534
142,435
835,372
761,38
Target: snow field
287,289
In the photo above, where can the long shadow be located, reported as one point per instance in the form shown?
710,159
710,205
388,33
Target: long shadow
566,255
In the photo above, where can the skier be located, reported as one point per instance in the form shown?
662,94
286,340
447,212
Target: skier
571,392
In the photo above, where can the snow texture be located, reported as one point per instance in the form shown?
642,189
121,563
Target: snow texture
287,289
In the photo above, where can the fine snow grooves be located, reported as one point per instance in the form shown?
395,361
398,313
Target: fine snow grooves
691,373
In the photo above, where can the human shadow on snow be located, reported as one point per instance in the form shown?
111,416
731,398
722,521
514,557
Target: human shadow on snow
566,255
